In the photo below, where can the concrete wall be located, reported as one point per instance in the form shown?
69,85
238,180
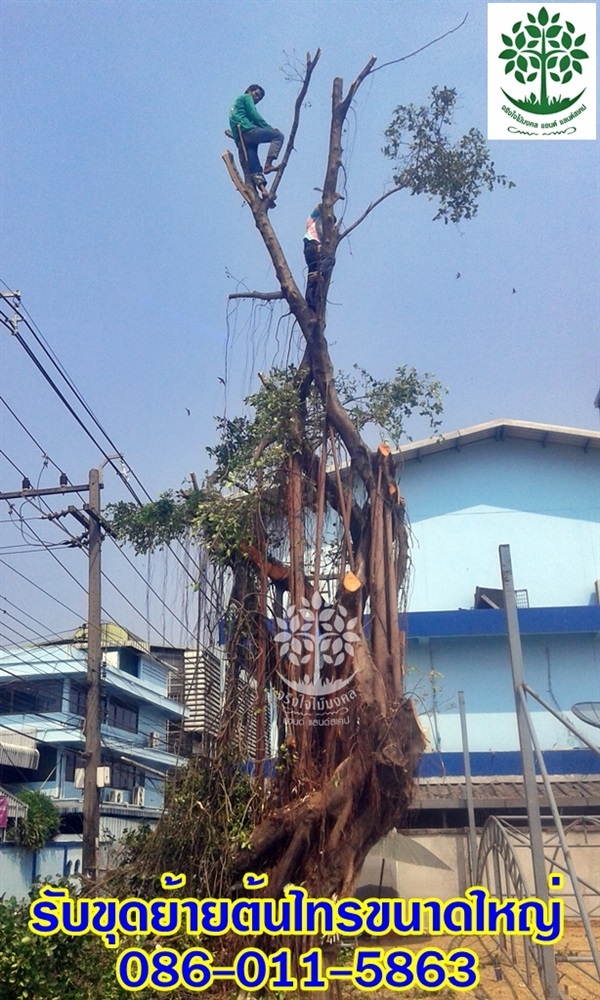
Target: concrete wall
19,867
16,871
412,881
463,503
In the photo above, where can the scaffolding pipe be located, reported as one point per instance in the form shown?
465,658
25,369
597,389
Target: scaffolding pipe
548,962
561,718
561,834
469,789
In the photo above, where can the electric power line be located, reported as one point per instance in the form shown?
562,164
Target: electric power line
13,326
29,434
48,545
23,612
60,368
41,589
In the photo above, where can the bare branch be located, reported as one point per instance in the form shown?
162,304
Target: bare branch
393,62
263,296
367,211
310,65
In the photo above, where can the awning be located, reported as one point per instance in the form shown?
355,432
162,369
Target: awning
10,807
18,749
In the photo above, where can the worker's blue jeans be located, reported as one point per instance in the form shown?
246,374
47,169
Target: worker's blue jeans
253,138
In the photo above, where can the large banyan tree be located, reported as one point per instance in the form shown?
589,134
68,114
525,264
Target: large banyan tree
309,522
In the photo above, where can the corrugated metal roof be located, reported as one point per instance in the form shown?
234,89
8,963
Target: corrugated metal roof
499,430
505,792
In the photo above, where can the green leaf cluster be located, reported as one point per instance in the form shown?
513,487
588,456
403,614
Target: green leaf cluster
224,521
248,462
428,162
389,403
53,968
157,523
284,417
252,447
41,823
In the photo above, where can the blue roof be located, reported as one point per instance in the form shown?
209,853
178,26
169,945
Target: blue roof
532,621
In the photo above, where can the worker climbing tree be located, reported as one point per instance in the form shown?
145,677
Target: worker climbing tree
250,130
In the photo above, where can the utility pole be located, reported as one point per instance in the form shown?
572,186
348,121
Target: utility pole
93,752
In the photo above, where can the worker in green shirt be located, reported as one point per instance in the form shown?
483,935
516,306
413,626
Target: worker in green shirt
250,130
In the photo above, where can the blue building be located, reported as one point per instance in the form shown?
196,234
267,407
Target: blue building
536,488
42,707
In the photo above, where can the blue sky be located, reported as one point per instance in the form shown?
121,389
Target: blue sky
125,236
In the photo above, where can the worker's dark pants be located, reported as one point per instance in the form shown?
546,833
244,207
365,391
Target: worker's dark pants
320,266
253,138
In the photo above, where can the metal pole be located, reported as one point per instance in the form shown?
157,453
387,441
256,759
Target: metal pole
469,789
563,840
562,718
548,961
91,795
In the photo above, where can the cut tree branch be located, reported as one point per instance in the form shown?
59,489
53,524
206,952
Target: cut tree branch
235,177
354,86
339,111
262,296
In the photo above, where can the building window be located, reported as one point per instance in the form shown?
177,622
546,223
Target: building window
77,699
36,697
121,716
115,713
129,662
44,771
72,760
489,597
46,768
125,776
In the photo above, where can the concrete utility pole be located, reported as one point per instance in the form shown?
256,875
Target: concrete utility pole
93,753
93,750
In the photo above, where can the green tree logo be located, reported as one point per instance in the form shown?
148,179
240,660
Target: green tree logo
541,50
